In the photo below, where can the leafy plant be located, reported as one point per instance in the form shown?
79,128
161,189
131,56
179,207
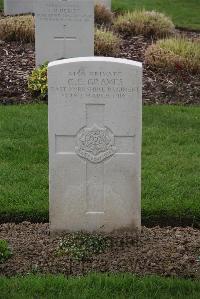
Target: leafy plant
176,53
18,28
147,23
80,246
5,251
37,82
106,43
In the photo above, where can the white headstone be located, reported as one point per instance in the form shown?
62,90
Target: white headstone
63,29
106,3
95,127
16,7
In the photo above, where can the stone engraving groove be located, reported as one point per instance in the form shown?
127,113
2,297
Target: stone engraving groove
65,38
95,144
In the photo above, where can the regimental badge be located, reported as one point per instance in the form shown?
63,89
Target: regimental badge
95,144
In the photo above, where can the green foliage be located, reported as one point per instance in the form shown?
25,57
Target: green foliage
175,54
5,251
81,246
37,82
184,13
24,163
170,154
148,23
98,286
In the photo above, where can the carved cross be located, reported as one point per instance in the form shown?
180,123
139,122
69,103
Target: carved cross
64,38
96,144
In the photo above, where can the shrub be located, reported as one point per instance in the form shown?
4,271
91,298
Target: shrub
147,23
37,82
80,246
20,28
174,54
103,16
106,43
5,251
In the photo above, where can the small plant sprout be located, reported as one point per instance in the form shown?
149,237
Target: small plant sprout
5,251
80,246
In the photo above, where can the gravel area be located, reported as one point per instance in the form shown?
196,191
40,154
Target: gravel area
17,60
165,251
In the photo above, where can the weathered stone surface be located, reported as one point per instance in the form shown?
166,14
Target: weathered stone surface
95,125
64,29
15,7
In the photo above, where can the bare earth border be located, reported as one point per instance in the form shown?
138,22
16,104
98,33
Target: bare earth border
164,251
159,87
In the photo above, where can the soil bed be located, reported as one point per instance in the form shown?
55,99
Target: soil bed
17,60
165,251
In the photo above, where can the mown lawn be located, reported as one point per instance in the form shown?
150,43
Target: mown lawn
184,13
170,164
98,286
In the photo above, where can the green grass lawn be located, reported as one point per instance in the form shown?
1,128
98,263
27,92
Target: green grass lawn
98,286
183,12
170,164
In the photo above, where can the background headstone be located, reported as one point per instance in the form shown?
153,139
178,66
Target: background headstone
63,29
95,129
15,7
106,3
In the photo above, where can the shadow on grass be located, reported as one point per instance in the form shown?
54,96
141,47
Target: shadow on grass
148,221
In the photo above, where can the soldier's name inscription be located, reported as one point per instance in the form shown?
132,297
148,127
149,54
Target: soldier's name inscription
95,84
